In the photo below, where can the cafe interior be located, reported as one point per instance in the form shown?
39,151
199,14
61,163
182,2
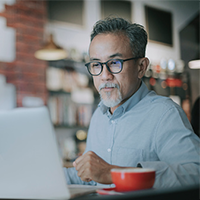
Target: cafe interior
44,46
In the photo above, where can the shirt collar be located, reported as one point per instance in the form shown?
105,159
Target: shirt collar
131,102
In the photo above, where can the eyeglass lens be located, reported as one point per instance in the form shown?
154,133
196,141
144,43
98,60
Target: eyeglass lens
114,66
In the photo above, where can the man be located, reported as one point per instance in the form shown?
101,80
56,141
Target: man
132,126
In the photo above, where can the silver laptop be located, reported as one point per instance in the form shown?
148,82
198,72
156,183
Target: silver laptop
30,163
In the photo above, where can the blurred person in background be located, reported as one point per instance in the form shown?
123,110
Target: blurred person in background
132,126
195,120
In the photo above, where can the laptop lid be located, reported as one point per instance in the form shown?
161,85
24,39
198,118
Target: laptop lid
30,164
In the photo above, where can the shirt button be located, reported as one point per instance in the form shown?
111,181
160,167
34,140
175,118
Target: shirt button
108,150
112,121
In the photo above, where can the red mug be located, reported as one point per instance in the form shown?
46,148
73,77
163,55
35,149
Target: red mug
130,179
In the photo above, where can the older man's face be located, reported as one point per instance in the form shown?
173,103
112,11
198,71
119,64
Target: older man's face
114,89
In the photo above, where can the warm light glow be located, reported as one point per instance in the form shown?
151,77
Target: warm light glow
51,51
194,64
163,84
185,86
51,54
81,135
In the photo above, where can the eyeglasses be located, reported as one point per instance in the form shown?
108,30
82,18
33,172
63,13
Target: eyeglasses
114,66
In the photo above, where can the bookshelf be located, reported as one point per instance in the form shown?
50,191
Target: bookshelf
67,113
71,100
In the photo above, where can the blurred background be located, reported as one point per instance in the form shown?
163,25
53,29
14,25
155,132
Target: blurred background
44,45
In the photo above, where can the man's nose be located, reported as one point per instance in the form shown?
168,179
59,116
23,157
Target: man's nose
106,74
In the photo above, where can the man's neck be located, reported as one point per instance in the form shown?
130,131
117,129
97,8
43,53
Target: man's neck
112,109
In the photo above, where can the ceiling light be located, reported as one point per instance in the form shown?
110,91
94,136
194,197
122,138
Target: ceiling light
51,51
194,64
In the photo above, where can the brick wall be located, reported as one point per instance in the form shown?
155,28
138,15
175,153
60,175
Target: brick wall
27,73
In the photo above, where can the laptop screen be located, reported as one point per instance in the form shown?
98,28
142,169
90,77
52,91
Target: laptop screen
30,164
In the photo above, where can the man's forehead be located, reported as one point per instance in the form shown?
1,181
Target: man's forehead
109,38
119,55
109,42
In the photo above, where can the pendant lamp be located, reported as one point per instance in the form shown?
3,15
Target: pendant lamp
51,51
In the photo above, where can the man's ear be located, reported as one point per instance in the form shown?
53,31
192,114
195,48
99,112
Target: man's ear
143,64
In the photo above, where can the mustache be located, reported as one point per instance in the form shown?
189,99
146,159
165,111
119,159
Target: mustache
103,85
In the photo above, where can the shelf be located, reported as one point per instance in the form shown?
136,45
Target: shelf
72,65
58,92
71,127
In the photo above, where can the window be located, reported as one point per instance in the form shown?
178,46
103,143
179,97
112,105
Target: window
66,11
159,25
116,8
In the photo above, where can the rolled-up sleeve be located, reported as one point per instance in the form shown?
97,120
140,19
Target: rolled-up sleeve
72,177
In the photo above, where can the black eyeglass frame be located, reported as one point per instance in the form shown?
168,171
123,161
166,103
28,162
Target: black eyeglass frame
108,68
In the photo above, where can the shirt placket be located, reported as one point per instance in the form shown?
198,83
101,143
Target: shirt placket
111,133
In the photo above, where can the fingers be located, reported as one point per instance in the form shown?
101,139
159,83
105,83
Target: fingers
83,165
85,174
87,180
91,167
74,164
82,160
79,162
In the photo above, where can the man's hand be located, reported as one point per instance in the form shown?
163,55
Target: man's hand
92,167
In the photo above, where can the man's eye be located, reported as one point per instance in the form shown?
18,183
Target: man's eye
114,62
96,65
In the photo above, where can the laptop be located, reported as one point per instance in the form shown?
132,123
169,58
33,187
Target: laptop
30,163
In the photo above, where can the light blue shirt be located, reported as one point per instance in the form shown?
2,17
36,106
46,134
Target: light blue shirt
149,130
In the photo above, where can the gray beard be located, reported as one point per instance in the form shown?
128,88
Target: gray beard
110,102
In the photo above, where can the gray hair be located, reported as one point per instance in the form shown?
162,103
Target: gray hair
135,32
